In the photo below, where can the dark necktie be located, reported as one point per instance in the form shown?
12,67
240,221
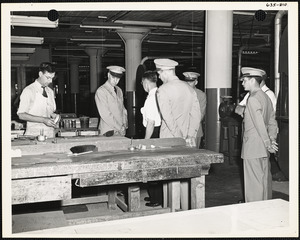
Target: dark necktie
115,90
44,92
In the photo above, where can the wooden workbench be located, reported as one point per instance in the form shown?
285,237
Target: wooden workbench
38,177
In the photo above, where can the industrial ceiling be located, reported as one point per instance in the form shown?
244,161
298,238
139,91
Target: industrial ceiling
172,33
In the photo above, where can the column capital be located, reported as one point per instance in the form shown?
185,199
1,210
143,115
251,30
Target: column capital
95,51
132,33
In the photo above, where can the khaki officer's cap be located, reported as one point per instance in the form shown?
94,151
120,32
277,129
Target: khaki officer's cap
116,71
252,72
191,76
165,64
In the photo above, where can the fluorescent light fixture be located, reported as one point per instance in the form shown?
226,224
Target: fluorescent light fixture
101,26
102,17
69,56
63,48
99,45
19,58
244,13
26,21
186,30
27,40
249,52
163,42
143,23
88,39
185,51
22,50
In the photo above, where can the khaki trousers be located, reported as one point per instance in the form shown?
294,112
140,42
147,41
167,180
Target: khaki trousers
257,179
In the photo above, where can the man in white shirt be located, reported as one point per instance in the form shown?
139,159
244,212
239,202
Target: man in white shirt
151,121
151,115
37,104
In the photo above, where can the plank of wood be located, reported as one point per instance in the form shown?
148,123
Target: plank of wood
118,216
198,192
41,189
145,175
121,204
112,194
184,195
165,194
174,195
133,198
84,200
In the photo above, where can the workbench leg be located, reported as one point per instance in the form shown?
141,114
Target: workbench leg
184,194
133,198
165,195
198,192
112,199
174,195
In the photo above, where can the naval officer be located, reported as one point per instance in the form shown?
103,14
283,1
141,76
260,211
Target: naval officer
109,101
240,108
180,111
192,79
259,138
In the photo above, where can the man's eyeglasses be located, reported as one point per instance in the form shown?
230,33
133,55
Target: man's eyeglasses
49,77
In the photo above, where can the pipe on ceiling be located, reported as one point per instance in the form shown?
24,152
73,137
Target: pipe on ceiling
277,35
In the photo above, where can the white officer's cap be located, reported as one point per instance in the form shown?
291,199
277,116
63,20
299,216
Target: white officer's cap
252,72
191,76
165,64
116,71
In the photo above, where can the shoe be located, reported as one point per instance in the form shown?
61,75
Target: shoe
147,199
279,177
150,204
241,201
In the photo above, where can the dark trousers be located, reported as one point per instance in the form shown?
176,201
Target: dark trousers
155,188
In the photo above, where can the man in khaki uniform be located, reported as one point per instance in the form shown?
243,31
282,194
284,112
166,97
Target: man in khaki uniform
177,103
259,139
180,111
192,79
109,101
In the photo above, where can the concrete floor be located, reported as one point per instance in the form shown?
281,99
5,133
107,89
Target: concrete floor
223,187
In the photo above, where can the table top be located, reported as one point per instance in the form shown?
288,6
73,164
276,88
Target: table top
53,164
255,219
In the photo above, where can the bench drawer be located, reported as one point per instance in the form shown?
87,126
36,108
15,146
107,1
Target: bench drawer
41,189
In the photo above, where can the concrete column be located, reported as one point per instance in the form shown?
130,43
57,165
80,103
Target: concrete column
218,70
74,79
132,38
95,69
61,88
95,66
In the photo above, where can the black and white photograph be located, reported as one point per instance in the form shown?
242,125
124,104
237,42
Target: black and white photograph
149,119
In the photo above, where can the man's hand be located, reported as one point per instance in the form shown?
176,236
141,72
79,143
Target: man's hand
190,141
239,110
273,147
49,122
123,131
